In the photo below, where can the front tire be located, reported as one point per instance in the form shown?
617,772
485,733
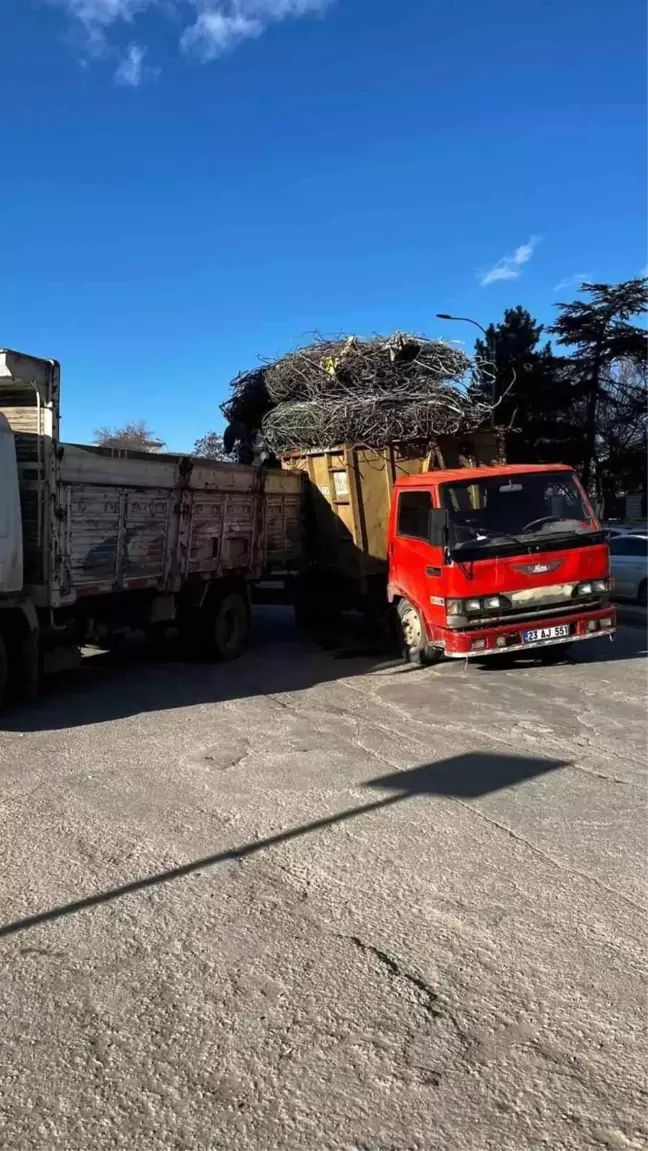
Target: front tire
413,637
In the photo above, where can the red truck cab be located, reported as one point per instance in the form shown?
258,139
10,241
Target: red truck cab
497,559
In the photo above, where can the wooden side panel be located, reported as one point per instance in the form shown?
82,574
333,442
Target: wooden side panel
93,530
144,543
115,535
280,533
206,518
283,530
237,549
117,519
87,465
222,529
243,520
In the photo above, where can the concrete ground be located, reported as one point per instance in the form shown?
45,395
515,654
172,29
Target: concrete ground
304,901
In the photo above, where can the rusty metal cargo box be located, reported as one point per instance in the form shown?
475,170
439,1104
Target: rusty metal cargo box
350,488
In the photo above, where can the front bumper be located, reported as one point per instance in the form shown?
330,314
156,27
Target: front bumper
582,625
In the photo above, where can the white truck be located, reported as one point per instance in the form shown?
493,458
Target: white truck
94,543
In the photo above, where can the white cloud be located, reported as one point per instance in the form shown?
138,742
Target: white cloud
215,32
210,27
93,18
102,12
570,281
131,71
221,25
510,267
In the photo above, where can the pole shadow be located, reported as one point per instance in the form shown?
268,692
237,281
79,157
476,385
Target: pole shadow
465,776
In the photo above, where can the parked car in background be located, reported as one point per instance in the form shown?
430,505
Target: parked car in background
629,562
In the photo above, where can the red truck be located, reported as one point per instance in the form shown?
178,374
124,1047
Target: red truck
477,560
486,561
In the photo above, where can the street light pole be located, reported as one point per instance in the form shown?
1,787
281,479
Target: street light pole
467,320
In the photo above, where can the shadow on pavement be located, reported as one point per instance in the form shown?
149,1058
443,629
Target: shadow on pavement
111,686
462,776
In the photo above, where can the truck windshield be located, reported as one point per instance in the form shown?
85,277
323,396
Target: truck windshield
516,508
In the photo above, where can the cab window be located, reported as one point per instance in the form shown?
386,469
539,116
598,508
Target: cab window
414,514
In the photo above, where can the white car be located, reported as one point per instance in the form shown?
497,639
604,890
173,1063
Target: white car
629,560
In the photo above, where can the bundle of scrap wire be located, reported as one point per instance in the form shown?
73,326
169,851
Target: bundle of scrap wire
367,392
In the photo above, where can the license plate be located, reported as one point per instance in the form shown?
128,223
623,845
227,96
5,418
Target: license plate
539,633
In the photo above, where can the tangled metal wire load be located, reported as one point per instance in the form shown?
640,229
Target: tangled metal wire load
368,392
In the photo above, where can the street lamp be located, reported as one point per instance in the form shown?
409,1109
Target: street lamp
467,320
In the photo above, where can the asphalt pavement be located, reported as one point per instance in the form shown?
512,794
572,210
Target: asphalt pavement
316,899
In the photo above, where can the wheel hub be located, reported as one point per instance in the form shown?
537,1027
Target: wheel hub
411,629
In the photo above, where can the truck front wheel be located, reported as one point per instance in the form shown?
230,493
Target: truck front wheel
413,639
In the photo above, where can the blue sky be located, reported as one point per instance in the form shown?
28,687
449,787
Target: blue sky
188,184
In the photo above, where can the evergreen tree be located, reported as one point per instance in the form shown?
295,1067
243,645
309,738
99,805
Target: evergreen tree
602,336
531,389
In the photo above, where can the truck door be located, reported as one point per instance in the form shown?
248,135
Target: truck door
416,568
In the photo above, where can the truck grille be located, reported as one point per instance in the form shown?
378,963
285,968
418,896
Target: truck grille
512,615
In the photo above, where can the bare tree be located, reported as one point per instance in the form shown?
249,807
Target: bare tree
211,447
134,436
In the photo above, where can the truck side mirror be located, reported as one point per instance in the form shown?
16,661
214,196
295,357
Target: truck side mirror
438,527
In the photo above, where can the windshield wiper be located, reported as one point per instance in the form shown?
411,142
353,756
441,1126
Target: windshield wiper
491,535
540,521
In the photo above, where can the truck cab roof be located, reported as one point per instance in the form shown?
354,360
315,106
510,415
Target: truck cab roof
462,474
25,369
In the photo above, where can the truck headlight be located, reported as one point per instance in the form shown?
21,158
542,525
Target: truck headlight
474,606
591,586
454,607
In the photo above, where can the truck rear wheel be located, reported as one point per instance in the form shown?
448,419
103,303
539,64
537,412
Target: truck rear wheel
413,638
227,629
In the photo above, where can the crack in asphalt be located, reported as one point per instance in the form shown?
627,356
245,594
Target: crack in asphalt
395,970
549,858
